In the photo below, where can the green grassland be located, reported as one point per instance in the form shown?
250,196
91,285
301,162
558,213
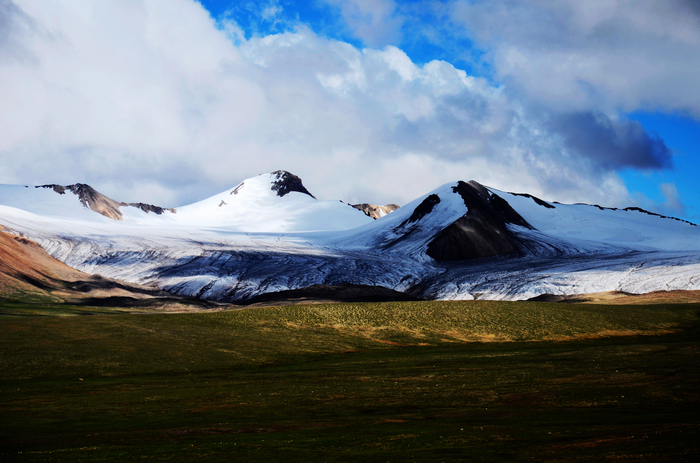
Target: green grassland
402,381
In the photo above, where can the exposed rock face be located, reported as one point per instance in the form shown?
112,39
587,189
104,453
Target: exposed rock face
287,182
102,204
375,211
92,199
482,231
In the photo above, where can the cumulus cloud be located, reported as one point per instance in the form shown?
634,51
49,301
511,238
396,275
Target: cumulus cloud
155,98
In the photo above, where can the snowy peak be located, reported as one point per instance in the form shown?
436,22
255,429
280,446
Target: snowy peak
278,183
458,222
276,202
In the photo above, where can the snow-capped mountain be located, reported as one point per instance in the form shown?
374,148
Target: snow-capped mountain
460,241
269,203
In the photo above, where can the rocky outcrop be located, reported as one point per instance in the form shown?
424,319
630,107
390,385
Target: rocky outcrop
375,211
482,231
91,199
287,182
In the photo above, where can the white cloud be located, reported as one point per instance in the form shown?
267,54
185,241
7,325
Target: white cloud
609,55
151,98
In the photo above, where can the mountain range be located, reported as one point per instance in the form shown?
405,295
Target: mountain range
269,234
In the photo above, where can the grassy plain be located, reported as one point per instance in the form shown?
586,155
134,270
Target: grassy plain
403,381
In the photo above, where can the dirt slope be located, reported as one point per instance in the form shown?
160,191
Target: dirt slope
27,271
25,267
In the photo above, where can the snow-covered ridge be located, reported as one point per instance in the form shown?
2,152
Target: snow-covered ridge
268,233
274,203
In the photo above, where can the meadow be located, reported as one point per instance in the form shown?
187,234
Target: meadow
395,381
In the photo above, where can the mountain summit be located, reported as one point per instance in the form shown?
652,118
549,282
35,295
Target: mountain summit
287,182
273,203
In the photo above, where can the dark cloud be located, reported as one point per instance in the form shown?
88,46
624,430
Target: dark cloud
612,144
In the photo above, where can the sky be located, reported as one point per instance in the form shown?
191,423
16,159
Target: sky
379,101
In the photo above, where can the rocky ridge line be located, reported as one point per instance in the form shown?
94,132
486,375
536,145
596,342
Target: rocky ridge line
96,201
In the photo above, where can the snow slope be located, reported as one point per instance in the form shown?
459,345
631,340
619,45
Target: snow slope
594,227
269,234
253,206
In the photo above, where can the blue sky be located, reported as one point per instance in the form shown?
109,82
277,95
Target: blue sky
168,101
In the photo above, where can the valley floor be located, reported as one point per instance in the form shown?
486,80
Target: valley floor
402,381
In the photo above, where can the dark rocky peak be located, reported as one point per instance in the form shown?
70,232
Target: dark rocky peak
480,201
482,231
91,199
287,182
478,187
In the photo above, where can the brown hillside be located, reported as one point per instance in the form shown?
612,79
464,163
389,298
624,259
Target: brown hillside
25,267
27,270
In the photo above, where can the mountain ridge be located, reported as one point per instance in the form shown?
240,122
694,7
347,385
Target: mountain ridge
102,204
462,240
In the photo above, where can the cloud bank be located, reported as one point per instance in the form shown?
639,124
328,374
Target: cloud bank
155,101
